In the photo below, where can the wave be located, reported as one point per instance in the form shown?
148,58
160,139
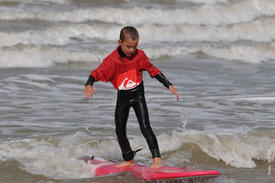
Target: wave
255,99
203,1
237,150
208,14
36,1
60,35
60,154
247,54
30,56
45,57
124,1
258,31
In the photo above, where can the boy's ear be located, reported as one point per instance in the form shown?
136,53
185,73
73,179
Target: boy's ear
119,42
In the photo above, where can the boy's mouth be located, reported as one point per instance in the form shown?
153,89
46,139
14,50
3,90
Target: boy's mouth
129,54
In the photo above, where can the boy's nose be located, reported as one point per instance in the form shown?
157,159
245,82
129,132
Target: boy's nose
132,50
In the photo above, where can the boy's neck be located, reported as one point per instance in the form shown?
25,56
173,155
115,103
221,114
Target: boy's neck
120,52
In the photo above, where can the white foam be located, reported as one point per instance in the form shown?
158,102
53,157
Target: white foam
241,53
208,14
45,57
57,157
60,35
37,1
235,150
42,157
249,54
257,31
255,99
155,53
203,1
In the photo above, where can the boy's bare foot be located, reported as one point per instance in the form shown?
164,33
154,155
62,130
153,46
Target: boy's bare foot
157,163
126,163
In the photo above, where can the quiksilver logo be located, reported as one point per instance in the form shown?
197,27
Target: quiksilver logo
129,84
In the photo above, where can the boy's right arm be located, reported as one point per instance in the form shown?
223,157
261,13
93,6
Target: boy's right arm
89,91
103,73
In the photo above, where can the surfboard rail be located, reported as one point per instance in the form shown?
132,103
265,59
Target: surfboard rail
103,167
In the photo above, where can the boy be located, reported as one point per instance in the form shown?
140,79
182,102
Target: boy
123,68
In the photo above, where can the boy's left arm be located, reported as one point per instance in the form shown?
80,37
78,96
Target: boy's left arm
167,84
156,73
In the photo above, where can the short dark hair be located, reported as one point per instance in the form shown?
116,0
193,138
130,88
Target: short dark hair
128,31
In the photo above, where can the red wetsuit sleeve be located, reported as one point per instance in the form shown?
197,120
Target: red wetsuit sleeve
104,71
148,66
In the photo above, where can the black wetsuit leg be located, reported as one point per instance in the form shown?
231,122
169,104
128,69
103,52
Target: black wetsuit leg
141,111
121,117
134,98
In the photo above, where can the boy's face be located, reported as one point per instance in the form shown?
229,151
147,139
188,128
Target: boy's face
128,46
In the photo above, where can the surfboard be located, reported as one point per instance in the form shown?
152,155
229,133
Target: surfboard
101,167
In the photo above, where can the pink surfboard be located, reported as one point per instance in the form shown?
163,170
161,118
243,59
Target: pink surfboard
103,167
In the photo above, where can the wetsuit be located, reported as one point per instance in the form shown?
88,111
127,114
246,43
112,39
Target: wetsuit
126,76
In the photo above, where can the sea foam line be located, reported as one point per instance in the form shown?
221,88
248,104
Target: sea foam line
57,157
208,14
37,1
32,56
257,31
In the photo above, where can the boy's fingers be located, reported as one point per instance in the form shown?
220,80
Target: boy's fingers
174,91
178,97
93,91
88,91
87,94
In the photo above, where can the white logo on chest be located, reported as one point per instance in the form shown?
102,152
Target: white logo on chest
130,84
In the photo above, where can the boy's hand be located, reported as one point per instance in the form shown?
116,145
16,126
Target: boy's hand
174,91
89,91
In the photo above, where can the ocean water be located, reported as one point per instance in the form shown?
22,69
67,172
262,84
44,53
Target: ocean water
219,54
